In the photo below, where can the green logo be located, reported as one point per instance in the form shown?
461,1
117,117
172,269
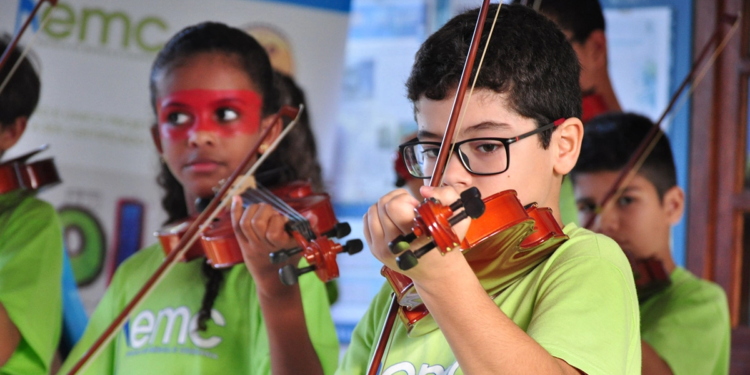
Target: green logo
105,28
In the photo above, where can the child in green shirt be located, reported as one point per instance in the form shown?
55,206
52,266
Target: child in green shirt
576,311
685,326
213,93
31,248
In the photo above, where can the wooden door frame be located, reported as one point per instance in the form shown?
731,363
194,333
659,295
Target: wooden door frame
717,196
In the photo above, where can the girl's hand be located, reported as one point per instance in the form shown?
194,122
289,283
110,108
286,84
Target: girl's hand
393,216
260,231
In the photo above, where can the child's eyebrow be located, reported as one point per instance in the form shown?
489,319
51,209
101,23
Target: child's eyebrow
587,201
484,125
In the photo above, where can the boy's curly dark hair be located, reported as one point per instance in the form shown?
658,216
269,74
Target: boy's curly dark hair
528,58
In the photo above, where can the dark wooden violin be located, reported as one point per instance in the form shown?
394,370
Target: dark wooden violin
19,177
312,223
505,240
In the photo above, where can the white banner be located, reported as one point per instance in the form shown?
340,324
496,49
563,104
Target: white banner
95,58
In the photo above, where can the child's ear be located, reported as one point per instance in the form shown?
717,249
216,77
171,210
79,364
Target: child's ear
156,137
566,145
11,133
596,49
275,131
673,204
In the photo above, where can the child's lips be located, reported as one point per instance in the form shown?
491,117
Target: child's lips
202,166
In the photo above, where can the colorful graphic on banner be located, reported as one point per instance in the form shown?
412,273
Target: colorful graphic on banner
95,57
128,232
85,242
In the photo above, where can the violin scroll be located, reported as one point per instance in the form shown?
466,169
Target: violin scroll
321,255
435,220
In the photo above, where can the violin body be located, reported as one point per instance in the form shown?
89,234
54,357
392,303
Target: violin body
19,177
506,242
650,276
219,244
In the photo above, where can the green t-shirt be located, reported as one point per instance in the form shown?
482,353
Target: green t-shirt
30,282
688,325
568,206
580,305
161,336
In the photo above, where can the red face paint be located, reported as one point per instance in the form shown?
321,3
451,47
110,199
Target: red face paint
223,112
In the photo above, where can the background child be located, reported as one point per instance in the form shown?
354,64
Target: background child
31,248
576,311
582,22
685,327
212,91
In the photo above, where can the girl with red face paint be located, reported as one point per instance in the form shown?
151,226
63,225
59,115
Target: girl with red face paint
213,92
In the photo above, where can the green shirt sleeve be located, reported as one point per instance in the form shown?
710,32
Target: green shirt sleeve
319,322
30,283
689,327
571,322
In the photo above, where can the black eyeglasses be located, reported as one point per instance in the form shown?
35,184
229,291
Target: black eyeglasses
480,156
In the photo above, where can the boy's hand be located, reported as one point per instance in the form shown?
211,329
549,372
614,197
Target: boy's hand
393,215
260,231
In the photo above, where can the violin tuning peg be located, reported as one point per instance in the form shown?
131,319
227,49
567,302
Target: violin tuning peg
353,246
407,260
283,255
472,202
340,230
290,274
401,243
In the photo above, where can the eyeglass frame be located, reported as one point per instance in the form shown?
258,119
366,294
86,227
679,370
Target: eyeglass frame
457,148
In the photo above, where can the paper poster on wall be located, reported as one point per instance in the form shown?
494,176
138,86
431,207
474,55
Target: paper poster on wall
640,53
95,58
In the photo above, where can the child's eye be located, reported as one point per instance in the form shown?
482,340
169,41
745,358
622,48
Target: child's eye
485,147
226,114
430,151
586,207
625,201
178,118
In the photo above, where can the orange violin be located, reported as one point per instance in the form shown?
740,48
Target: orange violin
505,242
312,224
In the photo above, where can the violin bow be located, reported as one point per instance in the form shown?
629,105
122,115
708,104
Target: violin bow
455,121
652,137
12,45
229,189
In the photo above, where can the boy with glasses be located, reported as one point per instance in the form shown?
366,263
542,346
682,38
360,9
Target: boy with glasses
576,311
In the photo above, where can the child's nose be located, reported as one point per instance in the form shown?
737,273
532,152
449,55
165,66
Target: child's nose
456,175
199,137
607,223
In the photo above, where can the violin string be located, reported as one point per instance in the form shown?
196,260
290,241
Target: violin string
471,90
291,213
235,189
25,51
698,78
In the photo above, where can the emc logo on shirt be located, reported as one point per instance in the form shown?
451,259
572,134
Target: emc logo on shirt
146,326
